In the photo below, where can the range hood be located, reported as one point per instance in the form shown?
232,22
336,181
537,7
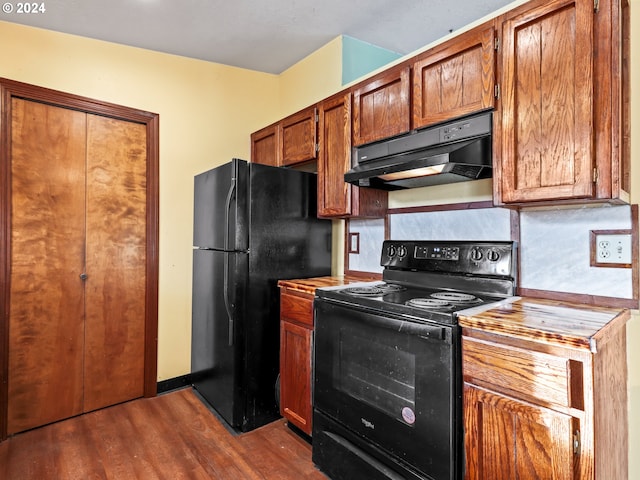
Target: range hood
448,153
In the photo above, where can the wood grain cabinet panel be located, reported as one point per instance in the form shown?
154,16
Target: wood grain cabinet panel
543,410
298,137
456,78
265,146
561,121
336,198
533,376
381,107
508,438
297,308
296,353
547,112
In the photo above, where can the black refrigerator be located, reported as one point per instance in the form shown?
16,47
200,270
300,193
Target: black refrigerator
253,225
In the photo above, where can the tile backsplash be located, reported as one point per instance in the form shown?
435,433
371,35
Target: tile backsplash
554,248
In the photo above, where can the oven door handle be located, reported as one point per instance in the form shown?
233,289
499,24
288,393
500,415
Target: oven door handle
422,328
428,331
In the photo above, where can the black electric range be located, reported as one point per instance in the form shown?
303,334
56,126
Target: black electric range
388,366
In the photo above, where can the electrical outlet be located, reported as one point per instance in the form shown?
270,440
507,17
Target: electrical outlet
613,248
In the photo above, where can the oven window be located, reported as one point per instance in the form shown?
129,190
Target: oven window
380,375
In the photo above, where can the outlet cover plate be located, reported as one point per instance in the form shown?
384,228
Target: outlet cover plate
611,248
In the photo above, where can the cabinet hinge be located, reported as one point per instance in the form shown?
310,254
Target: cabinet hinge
496,43
596,6
496,90
576,442
595,175
317,117
317,147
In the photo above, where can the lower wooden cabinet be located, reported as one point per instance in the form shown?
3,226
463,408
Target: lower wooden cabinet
296,353
509,438
537,411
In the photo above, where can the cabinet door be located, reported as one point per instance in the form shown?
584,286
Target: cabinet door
265,146
336,198
455,79
508,438
547,102
46,298
115,262
298,137
381,107
295,375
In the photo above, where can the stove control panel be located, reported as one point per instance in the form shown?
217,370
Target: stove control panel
437,252
472,258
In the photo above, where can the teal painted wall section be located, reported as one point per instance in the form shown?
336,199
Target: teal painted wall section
360,58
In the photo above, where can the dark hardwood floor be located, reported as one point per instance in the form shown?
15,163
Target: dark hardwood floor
173,436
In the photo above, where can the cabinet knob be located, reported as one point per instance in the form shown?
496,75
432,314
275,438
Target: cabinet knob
83,276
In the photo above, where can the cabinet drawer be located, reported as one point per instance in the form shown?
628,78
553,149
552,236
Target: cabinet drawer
296,308
522,373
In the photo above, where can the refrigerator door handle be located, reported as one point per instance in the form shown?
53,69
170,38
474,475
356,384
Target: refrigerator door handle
226,296
227,209
232,189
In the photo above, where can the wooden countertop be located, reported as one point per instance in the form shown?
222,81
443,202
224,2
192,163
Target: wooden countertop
560,323
309,285
534,319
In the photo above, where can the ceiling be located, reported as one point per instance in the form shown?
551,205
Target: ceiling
264,35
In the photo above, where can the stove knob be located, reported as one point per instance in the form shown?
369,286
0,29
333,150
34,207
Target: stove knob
391,251
402,251
476,254
493,255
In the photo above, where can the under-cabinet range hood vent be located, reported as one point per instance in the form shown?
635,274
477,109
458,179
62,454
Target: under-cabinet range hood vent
448,153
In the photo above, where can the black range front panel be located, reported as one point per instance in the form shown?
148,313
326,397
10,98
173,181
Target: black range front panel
387,399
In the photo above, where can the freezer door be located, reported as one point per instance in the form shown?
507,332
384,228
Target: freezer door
215,352
220,207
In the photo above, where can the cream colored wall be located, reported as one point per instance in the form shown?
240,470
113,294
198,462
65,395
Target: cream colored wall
206,114
311,79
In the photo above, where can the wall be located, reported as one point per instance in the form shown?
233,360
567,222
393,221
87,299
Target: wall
359,58
313,78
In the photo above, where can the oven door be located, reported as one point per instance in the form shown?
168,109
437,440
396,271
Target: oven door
392,381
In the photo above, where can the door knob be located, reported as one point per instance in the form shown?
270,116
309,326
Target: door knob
83,276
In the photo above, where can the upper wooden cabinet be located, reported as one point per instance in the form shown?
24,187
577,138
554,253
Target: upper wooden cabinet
336,198
265,146
381,107
288,142
559,131
456,78
298,137
561,134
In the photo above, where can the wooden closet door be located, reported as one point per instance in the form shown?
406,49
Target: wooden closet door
116,259
46,307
